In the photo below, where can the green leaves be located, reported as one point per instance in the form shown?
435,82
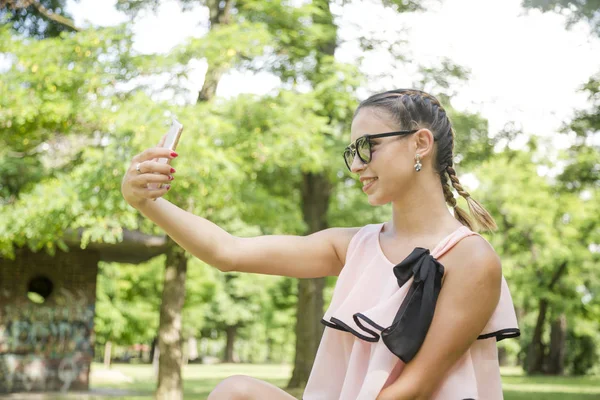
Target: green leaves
578,10
546,238
227,46
50,84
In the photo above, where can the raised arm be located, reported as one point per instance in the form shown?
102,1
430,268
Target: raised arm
320,254
317,255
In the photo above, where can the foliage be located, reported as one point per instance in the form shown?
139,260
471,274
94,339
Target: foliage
75,108
37,20
56,97
542,229
575,10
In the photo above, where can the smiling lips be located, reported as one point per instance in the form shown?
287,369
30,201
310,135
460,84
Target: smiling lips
367,182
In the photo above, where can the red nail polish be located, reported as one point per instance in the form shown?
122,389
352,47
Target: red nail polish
168,187
172,170
173,154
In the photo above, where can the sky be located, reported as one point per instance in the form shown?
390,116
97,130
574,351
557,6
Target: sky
525,67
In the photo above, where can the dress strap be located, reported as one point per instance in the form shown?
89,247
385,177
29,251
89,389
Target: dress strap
451,240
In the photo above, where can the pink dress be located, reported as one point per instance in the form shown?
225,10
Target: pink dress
366,340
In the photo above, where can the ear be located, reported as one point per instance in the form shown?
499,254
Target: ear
423,142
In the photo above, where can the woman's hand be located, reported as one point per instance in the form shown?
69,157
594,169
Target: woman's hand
134,185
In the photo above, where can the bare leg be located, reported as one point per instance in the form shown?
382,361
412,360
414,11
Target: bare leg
241,387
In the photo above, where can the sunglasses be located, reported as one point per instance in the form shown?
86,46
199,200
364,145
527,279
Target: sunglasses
362,147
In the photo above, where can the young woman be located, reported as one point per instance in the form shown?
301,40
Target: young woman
420,300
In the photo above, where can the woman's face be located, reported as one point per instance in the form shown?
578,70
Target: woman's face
391,161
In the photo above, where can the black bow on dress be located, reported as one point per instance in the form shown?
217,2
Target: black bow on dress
411,323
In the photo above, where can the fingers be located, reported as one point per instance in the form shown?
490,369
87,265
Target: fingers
154,167
152,193
145,183
151,179
154,152
149,185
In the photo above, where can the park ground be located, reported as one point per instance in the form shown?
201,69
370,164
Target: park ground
135,382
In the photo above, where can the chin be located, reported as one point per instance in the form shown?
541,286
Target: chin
377,201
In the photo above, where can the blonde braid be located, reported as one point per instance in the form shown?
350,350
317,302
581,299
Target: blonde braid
482,216
459,213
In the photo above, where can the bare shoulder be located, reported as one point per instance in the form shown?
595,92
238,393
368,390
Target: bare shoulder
473,258
340,240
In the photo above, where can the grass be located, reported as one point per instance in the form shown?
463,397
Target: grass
520,387
199,380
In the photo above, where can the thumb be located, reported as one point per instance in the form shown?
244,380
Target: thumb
162,141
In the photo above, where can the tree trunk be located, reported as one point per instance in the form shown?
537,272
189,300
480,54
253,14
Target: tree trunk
211,81
231,334
219,14
170,343
269,357
107,351
535,354
315,201
537,350
155,356
316,192
502,356
153,349
192,348
558,343
308,329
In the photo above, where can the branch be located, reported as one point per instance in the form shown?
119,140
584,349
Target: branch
14,4
557,275
55,17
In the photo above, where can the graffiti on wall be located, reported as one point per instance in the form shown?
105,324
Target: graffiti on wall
46,347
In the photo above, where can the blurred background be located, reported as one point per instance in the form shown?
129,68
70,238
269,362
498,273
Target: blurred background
96,302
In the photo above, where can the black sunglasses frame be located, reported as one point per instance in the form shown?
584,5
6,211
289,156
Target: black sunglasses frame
353,147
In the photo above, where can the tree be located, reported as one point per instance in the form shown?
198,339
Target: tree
580,177
302,44
544,248
37,18
273,155
173,298
238,303
126,304
47,94
584,10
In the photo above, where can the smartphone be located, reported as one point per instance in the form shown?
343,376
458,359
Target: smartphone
172,138
171,142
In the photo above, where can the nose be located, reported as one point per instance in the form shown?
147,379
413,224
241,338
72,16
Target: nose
357,164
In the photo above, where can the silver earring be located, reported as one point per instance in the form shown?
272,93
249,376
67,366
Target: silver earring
418,165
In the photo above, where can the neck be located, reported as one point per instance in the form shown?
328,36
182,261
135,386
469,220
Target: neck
422,212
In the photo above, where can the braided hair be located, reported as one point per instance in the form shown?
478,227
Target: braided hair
414,109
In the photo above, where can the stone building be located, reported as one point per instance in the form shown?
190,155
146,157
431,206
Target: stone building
47,306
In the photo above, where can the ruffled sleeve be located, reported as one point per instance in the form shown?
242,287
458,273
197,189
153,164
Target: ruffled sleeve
388,309
503,323
400,312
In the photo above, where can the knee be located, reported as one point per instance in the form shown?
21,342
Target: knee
236,387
